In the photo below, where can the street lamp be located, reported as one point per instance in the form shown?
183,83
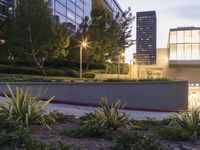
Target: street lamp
2,41
84,44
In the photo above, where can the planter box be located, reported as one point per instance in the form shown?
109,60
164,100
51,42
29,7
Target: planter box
160,96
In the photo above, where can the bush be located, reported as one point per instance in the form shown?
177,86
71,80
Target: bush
136,142
24,108
136,80
188,121
22,141
89,75
62,72
88,133
106,117
174,134
59,117
148,124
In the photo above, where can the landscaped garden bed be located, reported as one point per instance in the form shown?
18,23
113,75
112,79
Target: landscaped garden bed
26,125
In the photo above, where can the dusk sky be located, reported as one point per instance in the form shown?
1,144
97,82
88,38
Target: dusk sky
170,14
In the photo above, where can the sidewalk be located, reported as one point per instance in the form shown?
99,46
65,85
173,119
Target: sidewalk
79,111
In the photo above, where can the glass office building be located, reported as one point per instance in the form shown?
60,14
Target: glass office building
184,43
71,12
146,37
6,7
114,6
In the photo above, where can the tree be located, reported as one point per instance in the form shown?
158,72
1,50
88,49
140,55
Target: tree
126,21
34,34
109,36
102,34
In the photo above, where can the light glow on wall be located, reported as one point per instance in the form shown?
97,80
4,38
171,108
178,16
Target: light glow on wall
184,44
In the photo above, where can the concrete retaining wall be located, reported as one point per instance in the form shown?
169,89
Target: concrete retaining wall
164,96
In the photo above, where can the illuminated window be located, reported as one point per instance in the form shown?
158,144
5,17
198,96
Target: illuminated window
195,51
195,36
180,52
188,36
180,37
188,51
173,37
173,52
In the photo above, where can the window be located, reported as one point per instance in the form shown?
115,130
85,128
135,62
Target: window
188,51
188,36
173,52
180,52
70,15
60,8
195,51
180,37
71,6
195,36
173,37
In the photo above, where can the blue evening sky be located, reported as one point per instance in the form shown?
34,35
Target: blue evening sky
170,14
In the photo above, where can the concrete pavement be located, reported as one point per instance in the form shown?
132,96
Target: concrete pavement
79,111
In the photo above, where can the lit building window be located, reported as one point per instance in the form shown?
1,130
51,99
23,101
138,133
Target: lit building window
188,36
195,36
188,51
180,52
195,51
173,37
173,52
180,36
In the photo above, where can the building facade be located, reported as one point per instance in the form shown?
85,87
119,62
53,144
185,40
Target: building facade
71,12
6,8
146,37
184,46
181,60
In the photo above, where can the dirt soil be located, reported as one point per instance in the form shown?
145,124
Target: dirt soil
53,136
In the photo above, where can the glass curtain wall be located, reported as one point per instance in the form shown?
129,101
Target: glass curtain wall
185,45
71,12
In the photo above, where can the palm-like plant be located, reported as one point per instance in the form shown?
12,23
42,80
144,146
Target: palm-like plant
110,116
189,121
24,108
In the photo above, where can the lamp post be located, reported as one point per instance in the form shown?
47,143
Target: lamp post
83,45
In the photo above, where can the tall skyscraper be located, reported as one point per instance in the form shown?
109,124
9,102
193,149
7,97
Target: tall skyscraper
146,37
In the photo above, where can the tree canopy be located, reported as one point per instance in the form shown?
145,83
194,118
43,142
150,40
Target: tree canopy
33,34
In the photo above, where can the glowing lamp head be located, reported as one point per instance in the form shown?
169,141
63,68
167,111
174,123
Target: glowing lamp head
84,44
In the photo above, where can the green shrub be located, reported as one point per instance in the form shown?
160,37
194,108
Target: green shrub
106,117
89,75
174,134
59,117
188,121
136,142
136,80
88,133
22,141
149,124
110,116
24,108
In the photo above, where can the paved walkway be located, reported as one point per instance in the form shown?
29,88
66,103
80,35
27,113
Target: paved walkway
81,110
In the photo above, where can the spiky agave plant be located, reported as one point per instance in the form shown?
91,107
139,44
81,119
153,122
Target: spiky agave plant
24,108
110,116
189,121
